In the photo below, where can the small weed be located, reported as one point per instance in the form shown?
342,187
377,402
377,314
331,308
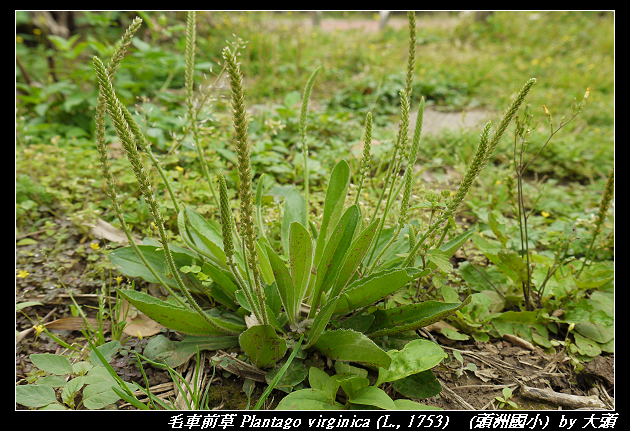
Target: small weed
505,401
58,384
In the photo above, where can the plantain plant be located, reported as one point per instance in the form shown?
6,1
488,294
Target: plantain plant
230,287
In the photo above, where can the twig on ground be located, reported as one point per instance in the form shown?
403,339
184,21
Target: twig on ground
558,398
448,393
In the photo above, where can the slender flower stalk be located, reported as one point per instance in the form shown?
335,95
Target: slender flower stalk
305,98
227,226
396,160
415,143
411,59
482,155
115,109
417,133
601,214
191,39
227,223
101,110
509,114
475,168
245,176
365,159
121,50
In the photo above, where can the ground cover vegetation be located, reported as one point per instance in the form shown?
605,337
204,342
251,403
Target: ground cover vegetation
274,192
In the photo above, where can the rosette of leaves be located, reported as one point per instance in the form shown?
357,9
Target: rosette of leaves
240,290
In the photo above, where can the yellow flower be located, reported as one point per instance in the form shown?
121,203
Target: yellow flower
118,279
95,246
179,169
22,273
545,214
38,330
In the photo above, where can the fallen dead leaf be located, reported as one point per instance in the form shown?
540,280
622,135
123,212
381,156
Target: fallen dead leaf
105,230
138,324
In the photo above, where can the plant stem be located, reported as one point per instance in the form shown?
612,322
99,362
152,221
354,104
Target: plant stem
305,98
115,110
601,215
244,173
482,155
192,113
365,160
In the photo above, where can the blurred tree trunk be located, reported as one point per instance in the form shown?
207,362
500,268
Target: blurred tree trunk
482,15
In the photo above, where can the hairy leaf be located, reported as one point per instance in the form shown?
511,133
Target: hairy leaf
333,204
178,318
417,356
375,287
410,317
263,346
349,345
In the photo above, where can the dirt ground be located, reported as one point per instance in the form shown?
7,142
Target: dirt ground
497,365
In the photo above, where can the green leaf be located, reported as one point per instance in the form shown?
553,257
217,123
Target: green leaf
284,284
335,251
440,259
35,395
519,323
403,404
354,256
308,399
358,322
351,383
321,320
222,277
488,247
263,346
420,385
263,261
480,278
317,377
373,396
300,263
456,243
333,204
596,332
22,305
70,390
179,318
498,229
375,287
175,353
99,395
53,364
294,211
349,345
295,374
417,356
586,346
108,350
517,265
280,374
343,367
129,263
206,236
410,317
